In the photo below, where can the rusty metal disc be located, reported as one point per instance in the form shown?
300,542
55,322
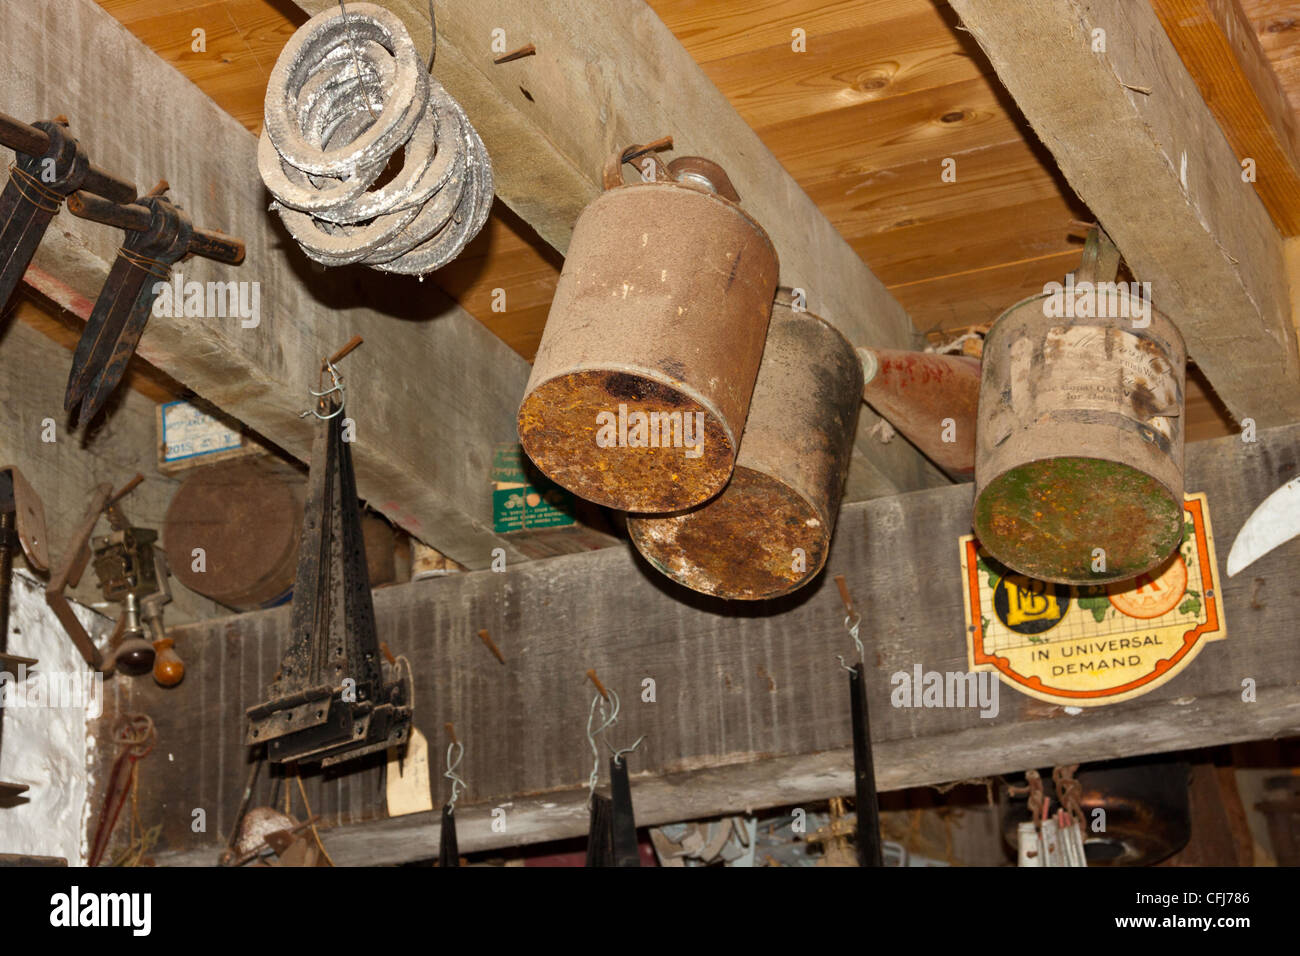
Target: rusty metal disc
661,310
1079,457
768,533
246,515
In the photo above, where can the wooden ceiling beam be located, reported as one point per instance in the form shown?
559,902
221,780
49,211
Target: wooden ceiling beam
749,707
609,74
1219,47
431,391
1132,135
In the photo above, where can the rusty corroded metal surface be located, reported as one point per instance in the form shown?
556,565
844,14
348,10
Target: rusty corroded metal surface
769,531
1079,457
662,308
246,516
931,399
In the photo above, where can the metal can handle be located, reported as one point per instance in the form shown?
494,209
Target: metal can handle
612,174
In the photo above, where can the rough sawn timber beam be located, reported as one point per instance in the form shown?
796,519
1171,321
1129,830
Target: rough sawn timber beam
608,74
750,707
431,391
1132,135
1219,47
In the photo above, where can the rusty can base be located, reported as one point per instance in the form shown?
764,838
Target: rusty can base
1046,519
742,546
584,432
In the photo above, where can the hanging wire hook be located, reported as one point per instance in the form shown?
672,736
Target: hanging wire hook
606,723
458,785
618,754
852,621
337,387
852,624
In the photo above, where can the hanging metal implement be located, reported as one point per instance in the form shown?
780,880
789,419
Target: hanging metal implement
50,166
1079,449
347,95
867,839
331,701
158,235
930,398
645,371
769,532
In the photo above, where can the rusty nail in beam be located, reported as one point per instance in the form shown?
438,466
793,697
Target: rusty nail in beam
591,676
840,583
127,488
486,638
663,142
61,119
519,54
160,189
451,731
338,356
388,655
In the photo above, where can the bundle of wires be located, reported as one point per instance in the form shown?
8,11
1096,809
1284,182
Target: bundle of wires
369,159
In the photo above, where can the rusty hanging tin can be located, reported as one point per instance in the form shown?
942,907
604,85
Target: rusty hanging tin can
1079,445
769,531
642,382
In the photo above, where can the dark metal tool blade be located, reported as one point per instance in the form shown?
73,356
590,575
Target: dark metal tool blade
31,199
448,850
600,846
623,823
123,308
864,776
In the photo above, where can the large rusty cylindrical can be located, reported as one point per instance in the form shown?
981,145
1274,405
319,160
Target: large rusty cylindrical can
1079,445
643,378
769,531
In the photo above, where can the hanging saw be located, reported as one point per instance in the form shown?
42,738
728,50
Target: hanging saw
331,700
158,234
50,166
1271,525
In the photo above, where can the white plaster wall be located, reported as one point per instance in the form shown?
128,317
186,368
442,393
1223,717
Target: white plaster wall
47,748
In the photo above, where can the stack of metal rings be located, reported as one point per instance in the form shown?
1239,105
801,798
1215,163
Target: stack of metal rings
347,92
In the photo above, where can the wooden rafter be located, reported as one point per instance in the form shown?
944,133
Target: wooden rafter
1106,92
746,710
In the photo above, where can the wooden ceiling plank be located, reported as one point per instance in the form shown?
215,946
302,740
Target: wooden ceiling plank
980,295
423,452
1148,158
942,247
988,179
902,130
1219,48
601,80
909,52
718,29
1277,27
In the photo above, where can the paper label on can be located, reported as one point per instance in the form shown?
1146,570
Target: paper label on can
1087,646
1110,370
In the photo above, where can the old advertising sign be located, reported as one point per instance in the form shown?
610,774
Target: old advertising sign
1091,645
